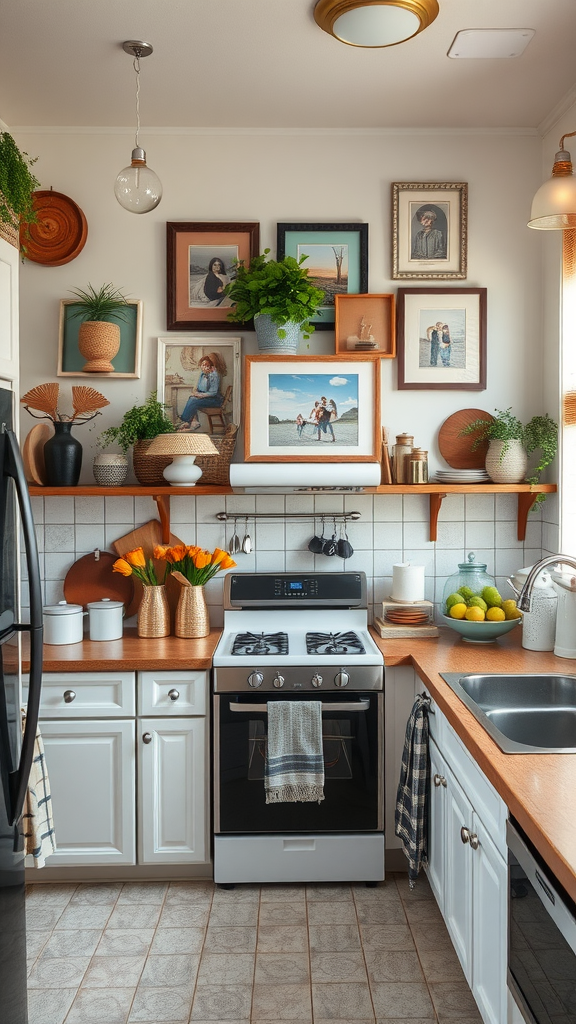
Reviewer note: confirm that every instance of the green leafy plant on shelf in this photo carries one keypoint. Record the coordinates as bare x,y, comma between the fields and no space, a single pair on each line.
99,305
17,184
539,434
142,422
279,288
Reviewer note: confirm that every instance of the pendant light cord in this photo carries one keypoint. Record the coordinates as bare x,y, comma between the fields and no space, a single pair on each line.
136,65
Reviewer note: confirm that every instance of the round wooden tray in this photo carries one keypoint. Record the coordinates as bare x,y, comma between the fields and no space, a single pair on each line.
91,579
456,448
60,232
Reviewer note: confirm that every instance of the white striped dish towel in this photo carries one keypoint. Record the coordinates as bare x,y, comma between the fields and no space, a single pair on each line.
294,768
37,822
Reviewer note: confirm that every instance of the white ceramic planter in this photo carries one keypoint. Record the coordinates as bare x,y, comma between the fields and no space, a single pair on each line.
509,468
267,336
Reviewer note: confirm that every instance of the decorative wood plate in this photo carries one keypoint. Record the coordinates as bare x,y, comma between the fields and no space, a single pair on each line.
456,448
33,453
60,233
91,579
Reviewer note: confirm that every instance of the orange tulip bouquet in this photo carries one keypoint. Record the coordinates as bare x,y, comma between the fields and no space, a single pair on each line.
134,563
196,565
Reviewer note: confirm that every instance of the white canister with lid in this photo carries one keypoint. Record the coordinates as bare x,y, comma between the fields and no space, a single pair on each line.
63,623
539,624
105,619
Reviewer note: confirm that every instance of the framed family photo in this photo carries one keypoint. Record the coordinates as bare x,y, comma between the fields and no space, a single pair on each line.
442,339
337,260
126,362
429,230
201,258
199,382
312,409
365,324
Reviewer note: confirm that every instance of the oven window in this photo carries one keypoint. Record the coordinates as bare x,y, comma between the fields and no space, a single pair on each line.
352,747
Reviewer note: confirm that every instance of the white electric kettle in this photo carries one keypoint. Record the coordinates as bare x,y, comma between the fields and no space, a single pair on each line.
539,624
564,584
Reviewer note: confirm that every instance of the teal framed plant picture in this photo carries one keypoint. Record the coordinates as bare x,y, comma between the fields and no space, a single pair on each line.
337,260
126,362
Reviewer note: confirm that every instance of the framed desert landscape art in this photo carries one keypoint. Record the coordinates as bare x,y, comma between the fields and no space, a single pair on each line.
365,324
337,260
200,259
442,339
312,409
429,230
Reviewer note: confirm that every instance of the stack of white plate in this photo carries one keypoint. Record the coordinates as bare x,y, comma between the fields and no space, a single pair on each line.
462,476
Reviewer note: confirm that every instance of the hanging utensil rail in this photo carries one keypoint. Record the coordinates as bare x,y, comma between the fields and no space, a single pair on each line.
340,517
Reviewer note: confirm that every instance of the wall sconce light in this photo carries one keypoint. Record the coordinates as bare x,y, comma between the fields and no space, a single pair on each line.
554,205
137,188
375,22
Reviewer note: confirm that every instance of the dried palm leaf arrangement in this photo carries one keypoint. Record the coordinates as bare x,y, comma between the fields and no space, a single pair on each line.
86,403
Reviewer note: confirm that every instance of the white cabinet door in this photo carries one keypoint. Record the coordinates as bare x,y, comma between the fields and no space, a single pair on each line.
489,940
172,790
458,874
437,824
8,311
91,767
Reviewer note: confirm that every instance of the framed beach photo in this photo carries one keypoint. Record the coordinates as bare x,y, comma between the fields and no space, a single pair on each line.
337,260
199,381
312,409
200,261
429,230
365,324
126,362
442,339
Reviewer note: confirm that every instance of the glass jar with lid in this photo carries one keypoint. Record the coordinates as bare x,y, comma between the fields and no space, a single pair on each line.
469,581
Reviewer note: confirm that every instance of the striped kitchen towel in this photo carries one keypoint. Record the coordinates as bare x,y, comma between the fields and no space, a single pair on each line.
294,768
37,823
412,796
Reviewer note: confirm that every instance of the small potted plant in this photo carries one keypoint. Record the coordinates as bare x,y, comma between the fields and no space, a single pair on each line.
99,334
17,186
140,426
280,298
510,444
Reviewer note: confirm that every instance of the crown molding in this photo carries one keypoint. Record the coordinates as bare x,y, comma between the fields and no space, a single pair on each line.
557,112
310,132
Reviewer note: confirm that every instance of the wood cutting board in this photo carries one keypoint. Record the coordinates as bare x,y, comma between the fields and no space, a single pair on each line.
146,537
33,454
91,579
455,448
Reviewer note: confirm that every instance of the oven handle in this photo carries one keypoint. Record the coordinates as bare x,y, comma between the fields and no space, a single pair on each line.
359,705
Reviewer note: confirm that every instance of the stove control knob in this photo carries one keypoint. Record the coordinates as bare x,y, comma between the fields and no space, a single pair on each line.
341,678
316,680
255,679
278,681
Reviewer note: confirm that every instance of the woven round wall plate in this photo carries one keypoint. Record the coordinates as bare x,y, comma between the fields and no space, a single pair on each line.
60,233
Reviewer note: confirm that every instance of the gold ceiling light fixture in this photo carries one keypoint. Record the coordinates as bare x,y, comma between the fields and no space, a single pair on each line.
375,23
554,205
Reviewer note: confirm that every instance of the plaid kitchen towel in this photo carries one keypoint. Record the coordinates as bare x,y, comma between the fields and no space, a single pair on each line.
37,823
411,799
294,768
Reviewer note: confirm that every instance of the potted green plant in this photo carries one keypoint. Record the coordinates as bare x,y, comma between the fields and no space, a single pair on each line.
511,442
17,185
280,298
99,333
139,427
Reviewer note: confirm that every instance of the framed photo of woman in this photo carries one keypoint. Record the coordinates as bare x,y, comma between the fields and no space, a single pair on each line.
201,259
199,382
429,230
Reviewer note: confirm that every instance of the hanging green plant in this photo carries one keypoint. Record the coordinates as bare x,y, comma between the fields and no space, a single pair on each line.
17,183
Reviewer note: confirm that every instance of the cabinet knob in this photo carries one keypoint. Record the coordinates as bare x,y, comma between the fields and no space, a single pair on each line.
173,694
69,696
147,737
474,841
439,780
465,834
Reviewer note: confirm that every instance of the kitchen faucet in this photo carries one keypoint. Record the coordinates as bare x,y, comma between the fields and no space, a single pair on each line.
525,599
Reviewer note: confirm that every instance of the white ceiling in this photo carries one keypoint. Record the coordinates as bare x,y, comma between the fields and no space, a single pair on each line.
265,63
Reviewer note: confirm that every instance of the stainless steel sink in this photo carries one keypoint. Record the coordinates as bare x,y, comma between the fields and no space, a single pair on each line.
524,714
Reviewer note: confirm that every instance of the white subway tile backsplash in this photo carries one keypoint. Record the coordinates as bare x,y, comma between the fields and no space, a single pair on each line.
270,503
385,560
119,509
507,535
59,538
506,506
300,532
57,565
363,503
388,536
299,561
550,537
452,508
417,535
53,591
360,535
267,536
89,537
328,503
479,534
144,509
114,532
416,508
59,510
269,561
89,509
479,507
387,508
243,504
533,537
450,535
382,589
37,504
507,561
207,507
183,509
211,535
299,503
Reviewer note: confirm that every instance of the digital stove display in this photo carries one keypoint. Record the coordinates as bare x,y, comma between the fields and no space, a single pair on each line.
296,585
260,643
334,643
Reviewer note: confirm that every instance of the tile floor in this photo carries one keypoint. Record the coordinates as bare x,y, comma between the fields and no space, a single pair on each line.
173,953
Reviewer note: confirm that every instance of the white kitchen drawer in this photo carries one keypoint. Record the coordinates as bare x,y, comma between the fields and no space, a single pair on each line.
294,858
488,805
96,695
154,689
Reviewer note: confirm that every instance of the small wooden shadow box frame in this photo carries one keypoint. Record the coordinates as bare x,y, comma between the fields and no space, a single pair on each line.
365,323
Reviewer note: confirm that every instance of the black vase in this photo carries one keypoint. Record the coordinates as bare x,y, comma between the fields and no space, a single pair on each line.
62,457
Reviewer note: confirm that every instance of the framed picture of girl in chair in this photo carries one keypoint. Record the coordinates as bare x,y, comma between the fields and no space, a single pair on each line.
199,382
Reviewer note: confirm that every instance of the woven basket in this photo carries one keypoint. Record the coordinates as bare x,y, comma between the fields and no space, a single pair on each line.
10,233
149,469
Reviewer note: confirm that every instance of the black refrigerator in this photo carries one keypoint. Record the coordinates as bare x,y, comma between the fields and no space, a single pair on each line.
16,750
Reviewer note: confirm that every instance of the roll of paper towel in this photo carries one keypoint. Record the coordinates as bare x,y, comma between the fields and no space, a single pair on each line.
305,474
407,583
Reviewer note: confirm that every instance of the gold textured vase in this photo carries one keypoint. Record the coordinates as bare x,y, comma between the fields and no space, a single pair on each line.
154,613
192,619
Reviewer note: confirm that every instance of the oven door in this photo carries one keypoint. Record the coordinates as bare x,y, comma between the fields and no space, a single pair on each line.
353,742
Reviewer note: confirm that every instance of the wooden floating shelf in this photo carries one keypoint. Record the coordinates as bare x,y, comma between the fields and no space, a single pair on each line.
527,494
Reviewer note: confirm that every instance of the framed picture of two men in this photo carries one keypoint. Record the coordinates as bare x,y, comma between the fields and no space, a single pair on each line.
429,230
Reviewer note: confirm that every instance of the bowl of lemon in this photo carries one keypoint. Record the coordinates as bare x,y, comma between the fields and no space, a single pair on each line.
480,617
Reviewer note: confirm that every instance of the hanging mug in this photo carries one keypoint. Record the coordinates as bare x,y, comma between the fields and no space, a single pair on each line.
316,545
345,549
331,546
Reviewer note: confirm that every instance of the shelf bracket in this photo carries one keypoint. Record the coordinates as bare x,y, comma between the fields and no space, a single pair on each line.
163,506
435,506
526,500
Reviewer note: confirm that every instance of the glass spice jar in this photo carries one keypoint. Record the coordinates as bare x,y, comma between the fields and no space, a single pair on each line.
400,454
418,466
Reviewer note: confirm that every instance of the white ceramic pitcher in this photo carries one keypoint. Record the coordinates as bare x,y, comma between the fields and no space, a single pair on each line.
565,586
539,624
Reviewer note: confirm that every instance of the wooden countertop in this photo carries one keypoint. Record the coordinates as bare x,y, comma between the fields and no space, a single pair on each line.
539,789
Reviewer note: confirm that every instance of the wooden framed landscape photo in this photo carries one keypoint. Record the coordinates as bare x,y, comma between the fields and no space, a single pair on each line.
312,409
199,381
442,339
200,263
126,362
429,230
365,324
337,260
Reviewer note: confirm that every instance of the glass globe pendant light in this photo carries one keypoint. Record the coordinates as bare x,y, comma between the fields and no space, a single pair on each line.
137,188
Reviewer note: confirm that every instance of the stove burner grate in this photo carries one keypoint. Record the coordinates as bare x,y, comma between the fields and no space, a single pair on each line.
334,643
260,643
